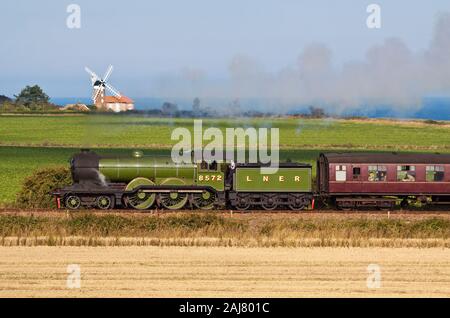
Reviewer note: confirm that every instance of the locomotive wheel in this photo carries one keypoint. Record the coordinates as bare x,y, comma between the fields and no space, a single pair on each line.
140,200
104,202
204,200
173,200
242,203
298,203
269,202
72,202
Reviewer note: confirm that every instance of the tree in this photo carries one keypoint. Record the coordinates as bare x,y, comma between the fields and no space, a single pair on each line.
235,107
4,99
196,107
169,109
32,95
317,112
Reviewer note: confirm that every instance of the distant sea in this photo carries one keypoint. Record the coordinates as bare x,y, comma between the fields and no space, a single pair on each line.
435,108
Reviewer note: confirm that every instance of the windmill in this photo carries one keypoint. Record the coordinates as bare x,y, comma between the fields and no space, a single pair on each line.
99,85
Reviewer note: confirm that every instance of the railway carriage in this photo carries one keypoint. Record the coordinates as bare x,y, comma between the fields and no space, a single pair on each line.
354,180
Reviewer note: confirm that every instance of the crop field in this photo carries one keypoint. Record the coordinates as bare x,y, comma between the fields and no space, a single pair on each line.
318,229
105,131
30,142
223,272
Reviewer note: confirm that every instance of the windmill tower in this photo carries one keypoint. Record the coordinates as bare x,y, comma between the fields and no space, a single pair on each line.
117,102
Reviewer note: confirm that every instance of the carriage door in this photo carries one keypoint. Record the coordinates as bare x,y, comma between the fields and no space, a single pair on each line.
341,173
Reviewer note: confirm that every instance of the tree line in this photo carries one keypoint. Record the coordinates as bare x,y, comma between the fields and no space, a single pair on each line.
30,98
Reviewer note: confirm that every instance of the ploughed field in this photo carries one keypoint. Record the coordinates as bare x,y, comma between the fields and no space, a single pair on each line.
30,142
223,272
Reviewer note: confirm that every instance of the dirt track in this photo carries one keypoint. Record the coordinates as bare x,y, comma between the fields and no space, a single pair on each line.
223,272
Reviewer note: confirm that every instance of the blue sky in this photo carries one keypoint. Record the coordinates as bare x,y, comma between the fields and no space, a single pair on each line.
154,44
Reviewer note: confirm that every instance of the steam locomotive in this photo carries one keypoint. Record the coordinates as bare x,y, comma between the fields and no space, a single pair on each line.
343,180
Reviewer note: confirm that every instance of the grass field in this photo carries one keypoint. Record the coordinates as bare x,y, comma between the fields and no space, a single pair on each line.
223,272
155,133
30,142
223,229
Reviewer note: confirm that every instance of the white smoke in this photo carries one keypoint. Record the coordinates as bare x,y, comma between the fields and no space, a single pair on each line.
390,74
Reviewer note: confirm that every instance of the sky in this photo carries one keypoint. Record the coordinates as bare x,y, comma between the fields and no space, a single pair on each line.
176,47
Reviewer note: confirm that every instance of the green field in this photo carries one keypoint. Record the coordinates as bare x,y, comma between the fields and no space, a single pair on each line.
133,131
30,142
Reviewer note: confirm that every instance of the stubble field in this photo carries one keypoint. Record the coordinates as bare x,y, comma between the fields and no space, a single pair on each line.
223,272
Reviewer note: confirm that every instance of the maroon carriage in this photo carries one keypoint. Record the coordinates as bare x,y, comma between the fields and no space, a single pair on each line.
382,179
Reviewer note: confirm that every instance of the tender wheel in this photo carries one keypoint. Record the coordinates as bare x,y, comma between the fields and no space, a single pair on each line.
173,200
104,202
298,203
269,202
72,202
140,200
204,200
243,203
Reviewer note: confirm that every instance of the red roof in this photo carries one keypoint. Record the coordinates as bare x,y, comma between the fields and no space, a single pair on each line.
114,99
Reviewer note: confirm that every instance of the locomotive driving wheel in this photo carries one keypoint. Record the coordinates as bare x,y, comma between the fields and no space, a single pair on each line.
140,200
173,200
72,202
204,200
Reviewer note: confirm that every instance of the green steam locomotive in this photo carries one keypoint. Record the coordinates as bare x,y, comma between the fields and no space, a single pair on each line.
142,183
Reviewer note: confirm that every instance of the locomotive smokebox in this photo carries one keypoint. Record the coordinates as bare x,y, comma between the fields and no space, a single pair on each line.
84,167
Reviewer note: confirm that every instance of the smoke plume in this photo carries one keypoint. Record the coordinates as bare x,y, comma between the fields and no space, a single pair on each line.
389,74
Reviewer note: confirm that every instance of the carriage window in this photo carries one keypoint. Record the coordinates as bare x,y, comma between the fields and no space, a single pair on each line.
406,173
356,172
435,173
377,173
341,173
